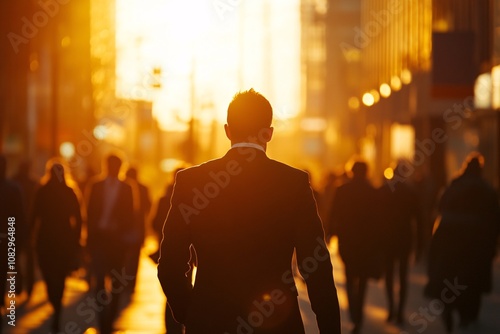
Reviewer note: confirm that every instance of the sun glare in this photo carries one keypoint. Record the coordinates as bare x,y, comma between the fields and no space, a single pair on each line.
189,58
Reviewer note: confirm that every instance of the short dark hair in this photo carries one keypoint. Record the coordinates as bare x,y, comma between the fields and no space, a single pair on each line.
248,113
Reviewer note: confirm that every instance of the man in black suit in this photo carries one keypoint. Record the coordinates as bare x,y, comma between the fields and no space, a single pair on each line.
353,219
110,229
245,215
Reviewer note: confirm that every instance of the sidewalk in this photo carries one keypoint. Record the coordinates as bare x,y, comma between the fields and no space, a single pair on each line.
144,313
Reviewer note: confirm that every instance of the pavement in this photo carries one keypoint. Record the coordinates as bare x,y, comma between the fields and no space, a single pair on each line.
143,312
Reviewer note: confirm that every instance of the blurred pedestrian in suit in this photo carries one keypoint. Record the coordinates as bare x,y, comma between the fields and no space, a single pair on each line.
330,184
245,214
11,212
401,222
464,244
110,226
57,222
142,204
26,271
353,218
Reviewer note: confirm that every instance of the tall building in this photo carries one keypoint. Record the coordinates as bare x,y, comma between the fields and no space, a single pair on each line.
378,65
462,56
45,80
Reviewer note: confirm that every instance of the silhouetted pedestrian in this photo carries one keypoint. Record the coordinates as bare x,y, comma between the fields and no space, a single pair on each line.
110,227
331,183
245,214
401,222
353,218
464,244
57,222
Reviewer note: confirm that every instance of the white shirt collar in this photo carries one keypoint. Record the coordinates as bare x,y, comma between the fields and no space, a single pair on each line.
253,145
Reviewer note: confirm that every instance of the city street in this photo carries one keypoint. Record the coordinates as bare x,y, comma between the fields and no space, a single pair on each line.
144,313
390,108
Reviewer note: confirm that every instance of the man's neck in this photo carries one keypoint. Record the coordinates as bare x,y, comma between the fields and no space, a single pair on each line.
255,145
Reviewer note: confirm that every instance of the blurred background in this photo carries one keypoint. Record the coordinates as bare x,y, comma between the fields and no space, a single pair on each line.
373,78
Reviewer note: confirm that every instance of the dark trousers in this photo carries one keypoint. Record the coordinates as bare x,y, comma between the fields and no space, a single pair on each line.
132,263
107,263
356,291
54,274
391,262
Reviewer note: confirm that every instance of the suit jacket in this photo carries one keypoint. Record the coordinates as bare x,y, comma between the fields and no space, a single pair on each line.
400,219
354,216
245,214
122,215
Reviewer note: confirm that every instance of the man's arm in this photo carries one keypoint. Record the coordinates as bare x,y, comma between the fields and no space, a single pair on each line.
175,255
311,249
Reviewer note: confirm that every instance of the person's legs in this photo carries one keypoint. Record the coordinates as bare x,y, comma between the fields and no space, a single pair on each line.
468,305
101,268
54,280
132,264
351,291
355,288
356,301
56,298
389,286
115,266
362,283
403,286
447,316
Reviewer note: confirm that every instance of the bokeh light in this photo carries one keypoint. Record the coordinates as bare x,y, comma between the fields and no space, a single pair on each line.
396,83
368,99
67,150
385,90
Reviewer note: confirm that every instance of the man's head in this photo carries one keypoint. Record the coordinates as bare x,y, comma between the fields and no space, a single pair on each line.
132,173
249,118
359,170
113,165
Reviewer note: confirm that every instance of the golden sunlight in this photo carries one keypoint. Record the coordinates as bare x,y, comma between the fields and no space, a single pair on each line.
190,57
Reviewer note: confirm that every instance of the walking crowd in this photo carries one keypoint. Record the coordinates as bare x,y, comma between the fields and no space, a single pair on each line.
381,231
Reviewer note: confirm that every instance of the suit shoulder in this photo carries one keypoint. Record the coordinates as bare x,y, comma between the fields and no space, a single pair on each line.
200,168
288,171
95,181
128,185
196,173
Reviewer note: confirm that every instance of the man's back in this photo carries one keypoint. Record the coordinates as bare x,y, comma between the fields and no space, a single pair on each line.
244,214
